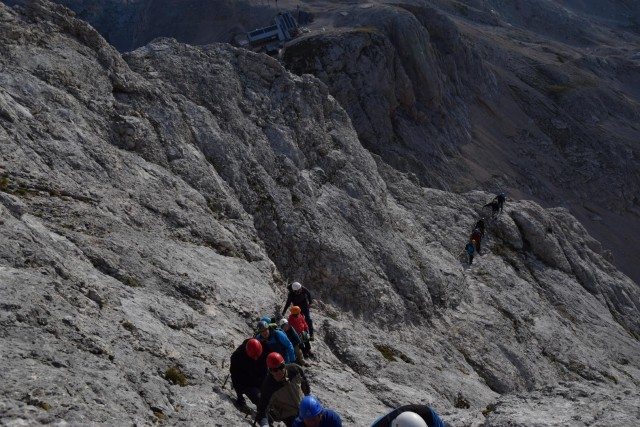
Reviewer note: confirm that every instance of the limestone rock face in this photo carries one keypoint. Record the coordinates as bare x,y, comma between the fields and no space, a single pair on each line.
468,96
388,74
154,205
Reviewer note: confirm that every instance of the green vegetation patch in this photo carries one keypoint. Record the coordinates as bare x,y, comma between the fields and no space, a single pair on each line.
175,376
129,326
386,351
391,353
486,411
332,314
461,402
131,282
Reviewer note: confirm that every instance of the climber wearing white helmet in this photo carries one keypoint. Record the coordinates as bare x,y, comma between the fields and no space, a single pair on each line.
409,419
410,416
301,297
296,341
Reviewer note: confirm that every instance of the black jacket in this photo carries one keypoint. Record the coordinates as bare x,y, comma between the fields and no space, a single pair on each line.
302,298
293,336
246,372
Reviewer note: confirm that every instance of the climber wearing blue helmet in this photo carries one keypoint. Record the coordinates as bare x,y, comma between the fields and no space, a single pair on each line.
312,414
276,339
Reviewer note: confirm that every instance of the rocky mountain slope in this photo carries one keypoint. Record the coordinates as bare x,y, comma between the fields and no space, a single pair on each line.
536,98
154,204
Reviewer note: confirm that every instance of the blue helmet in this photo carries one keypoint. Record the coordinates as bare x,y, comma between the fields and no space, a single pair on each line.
309,407
266,319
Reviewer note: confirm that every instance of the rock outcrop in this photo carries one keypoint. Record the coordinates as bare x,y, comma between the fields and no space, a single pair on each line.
153,205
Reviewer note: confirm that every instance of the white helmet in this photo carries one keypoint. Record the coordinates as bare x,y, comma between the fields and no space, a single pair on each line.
282,322
296,286
409,419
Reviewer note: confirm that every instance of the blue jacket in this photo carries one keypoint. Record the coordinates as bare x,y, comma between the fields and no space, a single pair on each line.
279,342
428,415
329,418
469,248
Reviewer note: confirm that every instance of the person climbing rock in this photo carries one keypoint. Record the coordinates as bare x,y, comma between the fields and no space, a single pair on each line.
277,340
282,391
300,296
296,341
248,370
297,320
470,248
410,416
501,198
312,414
481,225
476,236
495,208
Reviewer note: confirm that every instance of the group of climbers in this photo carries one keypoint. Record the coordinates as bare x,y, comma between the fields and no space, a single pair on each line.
475,239
300,297
268,370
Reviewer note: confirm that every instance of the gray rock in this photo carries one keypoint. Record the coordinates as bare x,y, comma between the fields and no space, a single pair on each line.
130,272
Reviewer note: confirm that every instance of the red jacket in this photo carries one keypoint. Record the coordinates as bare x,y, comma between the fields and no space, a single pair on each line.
298,322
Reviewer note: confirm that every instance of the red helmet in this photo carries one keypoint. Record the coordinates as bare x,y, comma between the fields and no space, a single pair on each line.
274,360
253,348
295,310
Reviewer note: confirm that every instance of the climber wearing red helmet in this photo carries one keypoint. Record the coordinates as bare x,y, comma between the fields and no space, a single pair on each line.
282,391
248,369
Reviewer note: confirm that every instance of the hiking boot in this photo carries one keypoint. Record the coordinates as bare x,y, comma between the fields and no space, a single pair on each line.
241,402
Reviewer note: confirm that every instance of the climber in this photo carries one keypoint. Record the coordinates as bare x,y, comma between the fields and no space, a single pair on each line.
494,207
297,320
476,236
269,320
410,416
295,340
300,296
312,414
481,225
501,198
248,370
277,339
282,391
470,248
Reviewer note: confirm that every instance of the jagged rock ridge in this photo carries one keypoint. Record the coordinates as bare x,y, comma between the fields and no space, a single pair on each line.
153,206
